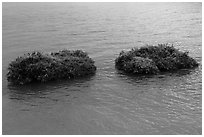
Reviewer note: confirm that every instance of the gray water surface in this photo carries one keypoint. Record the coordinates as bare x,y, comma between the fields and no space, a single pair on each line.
108,102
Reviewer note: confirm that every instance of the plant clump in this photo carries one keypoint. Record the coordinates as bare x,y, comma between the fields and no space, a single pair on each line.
36,66
163,58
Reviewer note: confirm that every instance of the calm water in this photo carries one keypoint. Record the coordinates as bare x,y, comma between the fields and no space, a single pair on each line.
108,102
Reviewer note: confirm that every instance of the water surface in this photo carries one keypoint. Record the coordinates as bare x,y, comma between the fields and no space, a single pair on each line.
108,102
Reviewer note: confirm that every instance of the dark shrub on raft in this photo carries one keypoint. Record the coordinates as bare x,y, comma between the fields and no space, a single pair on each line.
163,58
37,66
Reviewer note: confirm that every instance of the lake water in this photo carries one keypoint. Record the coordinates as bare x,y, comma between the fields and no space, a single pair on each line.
108,102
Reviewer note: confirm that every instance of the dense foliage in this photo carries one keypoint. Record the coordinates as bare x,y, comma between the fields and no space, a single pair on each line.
37,66
164,56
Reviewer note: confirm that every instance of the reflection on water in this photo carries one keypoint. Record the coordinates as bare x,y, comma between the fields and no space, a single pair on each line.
50,92
109,102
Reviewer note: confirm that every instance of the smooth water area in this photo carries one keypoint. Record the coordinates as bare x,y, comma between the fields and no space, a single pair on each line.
109,102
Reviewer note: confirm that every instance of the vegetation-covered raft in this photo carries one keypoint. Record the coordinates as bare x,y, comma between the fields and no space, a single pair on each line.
37,66
153,59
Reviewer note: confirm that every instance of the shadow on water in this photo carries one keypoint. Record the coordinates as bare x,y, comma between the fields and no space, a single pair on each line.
47,90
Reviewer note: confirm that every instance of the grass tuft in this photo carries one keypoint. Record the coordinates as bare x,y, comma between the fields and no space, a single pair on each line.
163,58
39,67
